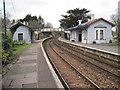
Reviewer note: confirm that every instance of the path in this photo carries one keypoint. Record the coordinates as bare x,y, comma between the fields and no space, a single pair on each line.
31,71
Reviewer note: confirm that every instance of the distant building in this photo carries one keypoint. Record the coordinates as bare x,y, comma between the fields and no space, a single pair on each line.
22,32
97,30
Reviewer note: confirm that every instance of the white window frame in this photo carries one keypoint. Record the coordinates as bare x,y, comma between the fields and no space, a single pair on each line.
99,33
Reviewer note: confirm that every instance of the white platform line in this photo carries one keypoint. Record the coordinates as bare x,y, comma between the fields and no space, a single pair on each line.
89,47
58,82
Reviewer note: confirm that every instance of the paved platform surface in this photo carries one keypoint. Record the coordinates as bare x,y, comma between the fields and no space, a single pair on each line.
30,71
104,47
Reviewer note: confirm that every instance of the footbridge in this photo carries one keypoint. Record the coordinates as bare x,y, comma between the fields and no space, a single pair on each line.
37,29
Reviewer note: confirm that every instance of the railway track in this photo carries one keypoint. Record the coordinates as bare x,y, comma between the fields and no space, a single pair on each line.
80,73
113,70
66,87
52,45
114,64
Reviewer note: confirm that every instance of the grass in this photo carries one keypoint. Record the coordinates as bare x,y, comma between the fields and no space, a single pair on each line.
20,48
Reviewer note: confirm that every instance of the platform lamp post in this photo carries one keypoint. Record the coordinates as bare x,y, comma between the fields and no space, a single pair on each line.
5,35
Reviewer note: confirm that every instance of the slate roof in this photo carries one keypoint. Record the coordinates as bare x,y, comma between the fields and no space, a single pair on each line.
35,27
87,24
16,25
96,20
77,27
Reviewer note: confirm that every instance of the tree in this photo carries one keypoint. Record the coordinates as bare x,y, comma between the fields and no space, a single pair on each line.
8,22
33,21
73,16
13,21
41,22
116,20
48,25
0,21
27,18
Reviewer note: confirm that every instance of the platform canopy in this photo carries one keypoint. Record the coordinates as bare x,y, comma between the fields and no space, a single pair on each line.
77,27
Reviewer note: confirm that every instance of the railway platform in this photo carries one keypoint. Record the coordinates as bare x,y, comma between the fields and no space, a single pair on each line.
32,70
100,47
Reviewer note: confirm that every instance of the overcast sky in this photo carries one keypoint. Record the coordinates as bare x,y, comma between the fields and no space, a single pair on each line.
51,10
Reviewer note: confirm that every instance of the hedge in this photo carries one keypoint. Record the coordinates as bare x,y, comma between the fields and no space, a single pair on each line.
7,55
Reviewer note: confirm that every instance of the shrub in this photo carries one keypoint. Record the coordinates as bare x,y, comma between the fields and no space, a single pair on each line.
8,55
110,41
21,42
5,56
94,42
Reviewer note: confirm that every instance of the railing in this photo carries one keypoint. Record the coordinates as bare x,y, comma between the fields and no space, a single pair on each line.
51,29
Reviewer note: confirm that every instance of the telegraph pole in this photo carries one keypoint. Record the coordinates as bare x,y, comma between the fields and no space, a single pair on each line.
5,35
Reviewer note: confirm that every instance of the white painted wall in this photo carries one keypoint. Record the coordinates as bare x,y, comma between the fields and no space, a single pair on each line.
107,32
91,33
73,35
26,34
77,35
84,36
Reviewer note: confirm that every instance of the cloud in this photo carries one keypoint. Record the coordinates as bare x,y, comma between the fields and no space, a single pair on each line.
51,10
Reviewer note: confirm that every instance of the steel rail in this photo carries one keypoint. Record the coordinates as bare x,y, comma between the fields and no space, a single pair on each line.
65,85
97,87
93,58
90,62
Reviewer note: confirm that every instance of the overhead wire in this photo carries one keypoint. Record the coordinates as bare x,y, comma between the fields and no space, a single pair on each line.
14,9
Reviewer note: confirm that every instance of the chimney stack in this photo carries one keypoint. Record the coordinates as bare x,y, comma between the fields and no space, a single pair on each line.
92,17
79,22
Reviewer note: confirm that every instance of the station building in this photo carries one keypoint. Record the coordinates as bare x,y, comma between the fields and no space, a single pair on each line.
97,30
23,32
